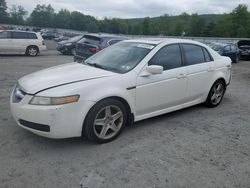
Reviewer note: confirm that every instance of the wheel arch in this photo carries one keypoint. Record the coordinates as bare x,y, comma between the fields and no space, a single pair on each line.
130,114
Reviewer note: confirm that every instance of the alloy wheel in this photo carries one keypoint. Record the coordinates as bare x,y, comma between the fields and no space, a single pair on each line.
108,122
217,93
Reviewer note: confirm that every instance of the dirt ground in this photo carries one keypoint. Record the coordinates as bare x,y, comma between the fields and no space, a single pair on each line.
195,147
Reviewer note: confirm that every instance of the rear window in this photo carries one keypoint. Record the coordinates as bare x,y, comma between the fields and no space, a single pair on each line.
92,39
113,41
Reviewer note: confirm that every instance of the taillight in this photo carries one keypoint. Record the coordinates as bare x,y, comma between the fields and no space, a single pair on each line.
95,49
77,45
43,42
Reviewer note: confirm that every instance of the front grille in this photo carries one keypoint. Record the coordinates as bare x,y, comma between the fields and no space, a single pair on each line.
36,126
18,95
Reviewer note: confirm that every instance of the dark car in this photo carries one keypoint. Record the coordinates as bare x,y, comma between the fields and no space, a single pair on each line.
244,46
67,47
229,50
61,38
93,43
49,35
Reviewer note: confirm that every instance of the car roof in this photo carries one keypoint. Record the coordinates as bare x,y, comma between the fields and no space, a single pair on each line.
105,36
19,31
157,41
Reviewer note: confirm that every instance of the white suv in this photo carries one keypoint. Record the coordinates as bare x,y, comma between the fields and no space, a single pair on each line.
21,42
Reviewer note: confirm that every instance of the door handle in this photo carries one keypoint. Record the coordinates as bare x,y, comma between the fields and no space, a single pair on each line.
210,69
182,76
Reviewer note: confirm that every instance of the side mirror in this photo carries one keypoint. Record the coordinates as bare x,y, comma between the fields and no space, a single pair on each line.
155,69
152,69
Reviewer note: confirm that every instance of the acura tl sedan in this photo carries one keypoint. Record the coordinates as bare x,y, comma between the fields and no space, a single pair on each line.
124,83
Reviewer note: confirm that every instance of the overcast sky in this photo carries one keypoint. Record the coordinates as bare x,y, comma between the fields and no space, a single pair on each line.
135,8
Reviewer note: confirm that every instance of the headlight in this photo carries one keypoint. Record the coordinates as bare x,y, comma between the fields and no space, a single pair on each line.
37,100
68,44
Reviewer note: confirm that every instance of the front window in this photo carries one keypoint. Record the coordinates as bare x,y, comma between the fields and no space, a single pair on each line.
121,57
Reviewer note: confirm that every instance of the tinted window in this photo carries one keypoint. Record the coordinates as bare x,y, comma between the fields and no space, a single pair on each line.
207,56
193,54
31,36
19,35
233,48
4,35
227,48
113,42
169,57
92,39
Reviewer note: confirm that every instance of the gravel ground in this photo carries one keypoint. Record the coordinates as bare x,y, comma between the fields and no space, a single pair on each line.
194,147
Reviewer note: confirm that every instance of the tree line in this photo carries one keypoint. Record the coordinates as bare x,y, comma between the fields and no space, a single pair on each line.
233,24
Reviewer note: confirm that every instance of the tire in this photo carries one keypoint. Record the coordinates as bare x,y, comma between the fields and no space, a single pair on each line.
216,94
105,121
237,59
73,51
32,51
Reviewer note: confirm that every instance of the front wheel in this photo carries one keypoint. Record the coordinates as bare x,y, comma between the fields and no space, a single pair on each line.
216,94
105,121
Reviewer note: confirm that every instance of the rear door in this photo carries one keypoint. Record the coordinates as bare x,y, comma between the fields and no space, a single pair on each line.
5,42
200,70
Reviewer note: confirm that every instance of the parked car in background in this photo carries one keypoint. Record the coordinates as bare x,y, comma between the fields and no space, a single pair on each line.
244,46
92,43
61,38
49,35
21,42
229,50
67,47
129,81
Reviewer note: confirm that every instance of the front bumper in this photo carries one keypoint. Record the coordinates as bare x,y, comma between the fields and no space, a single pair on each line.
60,121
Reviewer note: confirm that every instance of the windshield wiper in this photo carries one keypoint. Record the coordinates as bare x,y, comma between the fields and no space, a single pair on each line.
96,65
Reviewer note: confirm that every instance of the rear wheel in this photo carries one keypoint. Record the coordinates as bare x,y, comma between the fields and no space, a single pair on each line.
32,51
216,94
237,59
105,121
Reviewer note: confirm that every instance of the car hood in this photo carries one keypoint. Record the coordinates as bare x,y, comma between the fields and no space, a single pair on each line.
244,43
60,75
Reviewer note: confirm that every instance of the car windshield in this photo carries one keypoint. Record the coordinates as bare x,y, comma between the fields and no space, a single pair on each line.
121,57
74,39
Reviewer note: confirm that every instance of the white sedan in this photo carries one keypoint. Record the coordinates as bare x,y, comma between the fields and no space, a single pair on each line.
125,83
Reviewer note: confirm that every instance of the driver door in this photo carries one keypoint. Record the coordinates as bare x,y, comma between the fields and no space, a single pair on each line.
158,92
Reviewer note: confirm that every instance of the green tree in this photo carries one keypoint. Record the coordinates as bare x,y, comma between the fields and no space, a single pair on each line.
223,26
3,12
240,21
17,14
164,25
62,19
209,30
196,25
146,30
43,16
